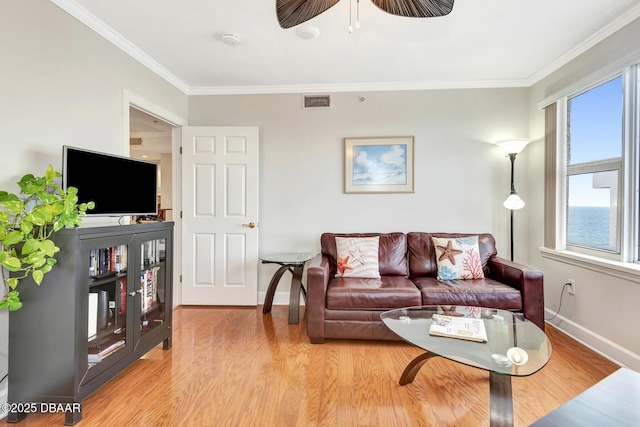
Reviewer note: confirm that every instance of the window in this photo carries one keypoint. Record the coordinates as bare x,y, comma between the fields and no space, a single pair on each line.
594,149
592,169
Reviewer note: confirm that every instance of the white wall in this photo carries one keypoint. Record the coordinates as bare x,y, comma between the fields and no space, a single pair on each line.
604,312
461,178
60,83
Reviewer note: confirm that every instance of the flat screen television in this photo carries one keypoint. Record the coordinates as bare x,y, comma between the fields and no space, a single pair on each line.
118,185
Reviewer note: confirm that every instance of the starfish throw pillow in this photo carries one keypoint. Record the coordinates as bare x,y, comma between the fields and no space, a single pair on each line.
358,257
458,258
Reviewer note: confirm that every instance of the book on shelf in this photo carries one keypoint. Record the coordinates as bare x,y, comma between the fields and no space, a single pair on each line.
149,285
107,261
120,257
123,295
98,357
465,328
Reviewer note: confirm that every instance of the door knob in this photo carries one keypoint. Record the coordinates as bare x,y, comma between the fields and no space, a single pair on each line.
250,225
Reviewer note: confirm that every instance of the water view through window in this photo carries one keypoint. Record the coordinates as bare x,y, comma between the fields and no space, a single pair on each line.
589,226
594,153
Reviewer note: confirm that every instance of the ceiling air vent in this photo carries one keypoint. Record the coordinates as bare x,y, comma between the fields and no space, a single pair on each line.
135,141
316,101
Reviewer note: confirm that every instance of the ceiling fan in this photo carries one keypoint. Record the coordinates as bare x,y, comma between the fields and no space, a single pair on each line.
293,12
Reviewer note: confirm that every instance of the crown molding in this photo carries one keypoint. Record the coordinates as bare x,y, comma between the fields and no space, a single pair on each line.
587,44
100,27
357,87
97,25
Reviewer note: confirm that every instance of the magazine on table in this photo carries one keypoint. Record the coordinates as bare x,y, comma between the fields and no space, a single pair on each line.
465,328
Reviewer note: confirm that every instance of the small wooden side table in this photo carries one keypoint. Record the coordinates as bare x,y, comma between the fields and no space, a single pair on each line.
293,262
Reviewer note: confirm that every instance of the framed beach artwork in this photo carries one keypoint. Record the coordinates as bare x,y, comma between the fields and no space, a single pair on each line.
378,164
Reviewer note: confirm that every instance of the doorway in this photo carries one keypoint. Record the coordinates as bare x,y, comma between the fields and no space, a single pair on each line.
160,134
158,131
150,139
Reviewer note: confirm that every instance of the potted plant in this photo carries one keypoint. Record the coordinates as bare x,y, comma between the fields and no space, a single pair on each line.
27,222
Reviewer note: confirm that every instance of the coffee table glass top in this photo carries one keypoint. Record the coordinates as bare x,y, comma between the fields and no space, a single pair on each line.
287,258
505,330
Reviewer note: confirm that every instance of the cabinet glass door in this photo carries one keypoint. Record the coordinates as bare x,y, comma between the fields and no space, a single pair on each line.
107,305
152,285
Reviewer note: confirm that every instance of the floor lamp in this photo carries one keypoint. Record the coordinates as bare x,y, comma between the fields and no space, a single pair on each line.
512,147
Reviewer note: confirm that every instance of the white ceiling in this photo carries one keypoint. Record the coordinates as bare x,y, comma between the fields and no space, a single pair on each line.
481,43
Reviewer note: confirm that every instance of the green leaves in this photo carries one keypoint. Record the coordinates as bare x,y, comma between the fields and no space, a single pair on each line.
11,202
26,223
13,282
37,275
49,248
30,246
50,173
12,238
12,264
11,301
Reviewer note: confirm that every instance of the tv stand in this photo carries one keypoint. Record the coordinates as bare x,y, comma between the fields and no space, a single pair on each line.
106,302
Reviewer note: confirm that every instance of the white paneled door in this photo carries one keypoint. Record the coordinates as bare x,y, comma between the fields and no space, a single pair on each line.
220,215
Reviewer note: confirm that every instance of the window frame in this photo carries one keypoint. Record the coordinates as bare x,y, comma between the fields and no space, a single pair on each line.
628,166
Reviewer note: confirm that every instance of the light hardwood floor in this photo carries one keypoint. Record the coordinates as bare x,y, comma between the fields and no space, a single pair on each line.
238,367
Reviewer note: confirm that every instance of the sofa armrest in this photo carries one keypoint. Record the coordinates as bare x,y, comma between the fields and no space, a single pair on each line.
318,275
528,281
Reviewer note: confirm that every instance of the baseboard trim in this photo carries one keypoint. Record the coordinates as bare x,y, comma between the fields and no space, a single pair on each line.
279,298
601,345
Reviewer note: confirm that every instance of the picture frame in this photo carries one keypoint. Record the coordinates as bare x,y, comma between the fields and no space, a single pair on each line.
379,164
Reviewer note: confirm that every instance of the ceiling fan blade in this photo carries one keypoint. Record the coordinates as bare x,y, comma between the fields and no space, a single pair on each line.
293,12
416,8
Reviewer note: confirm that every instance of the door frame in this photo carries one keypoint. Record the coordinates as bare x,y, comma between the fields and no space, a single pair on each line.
131,99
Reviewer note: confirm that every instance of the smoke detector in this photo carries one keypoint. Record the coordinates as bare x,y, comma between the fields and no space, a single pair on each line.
230,39
308,32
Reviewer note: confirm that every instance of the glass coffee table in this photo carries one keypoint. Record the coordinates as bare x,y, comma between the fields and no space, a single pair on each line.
515,347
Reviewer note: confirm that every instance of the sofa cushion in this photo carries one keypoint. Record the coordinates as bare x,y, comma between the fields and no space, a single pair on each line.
458,258
422,254
347,293
475,292
392,251
357,257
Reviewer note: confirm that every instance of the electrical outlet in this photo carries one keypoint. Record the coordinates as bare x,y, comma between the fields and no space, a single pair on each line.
572,287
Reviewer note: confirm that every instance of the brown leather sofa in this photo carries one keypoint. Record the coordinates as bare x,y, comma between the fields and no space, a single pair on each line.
349,308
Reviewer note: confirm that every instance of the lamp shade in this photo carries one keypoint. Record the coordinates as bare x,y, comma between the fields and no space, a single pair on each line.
513,202
513,146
